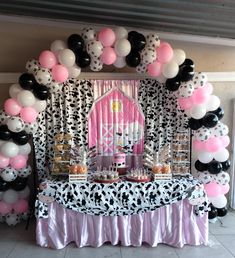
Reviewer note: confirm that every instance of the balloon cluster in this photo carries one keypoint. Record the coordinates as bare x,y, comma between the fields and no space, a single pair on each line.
210,135
17,123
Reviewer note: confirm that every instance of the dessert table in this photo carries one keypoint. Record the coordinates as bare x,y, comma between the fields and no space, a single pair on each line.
90,214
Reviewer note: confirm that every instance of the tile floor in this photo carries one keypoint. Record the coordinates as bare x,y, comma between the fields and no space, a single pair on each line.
17,242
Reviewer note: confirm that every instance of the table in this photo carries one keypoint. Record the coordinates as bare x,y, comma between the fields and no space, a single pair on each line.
144,217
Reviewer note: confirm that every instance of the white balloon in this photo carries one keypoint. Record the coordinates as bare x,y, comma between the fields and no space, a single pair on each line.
213,103
12,219
121,33
74,71
15,124
9,174
221,155
31,128
66,57
96,65
198,111
170,69
141,68
3,117
24,149
148,55
94,48
24,194
26,98
152,40
219,201
122,47
32,66
14,90
179,56
40,105
25,172
120,62
205,157
88,34
58,45
9,149
10,196
43,76
186,89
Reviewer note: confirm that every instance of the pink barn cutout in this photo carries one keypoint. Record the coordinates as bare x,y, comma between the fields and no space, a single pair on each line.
116,124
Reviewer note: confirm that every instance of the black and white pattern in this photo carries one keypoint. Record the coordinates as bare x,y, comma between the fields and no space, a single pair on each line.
117,199
162,117
66,113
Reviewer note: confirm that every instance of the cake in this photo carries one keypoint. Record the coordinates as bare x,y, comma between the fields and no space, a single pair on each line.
119,160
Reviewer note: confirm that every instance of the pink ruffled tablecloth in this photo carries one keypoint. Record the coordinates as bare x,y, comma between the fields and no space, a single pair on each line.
174,224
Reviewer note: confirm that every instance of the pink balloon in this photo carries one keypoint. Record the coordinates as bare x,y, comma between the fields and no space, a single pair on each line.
4,162
212,189
213,144
18,162
108,56
224,188
60,73
12,107
225,141
47,59
198,145
185,103
28,114
154,69
5,208
164,52
20,206
200,96
208,88
107,37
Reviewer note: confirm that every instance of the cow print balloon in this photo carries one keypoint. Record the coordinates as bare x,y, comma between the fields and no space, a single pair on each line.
43,76
202,134
141,68
186,89
31,128
25,172
9,174
220,129
222,178
88,34
15,124
152,40
3,117
199,80
205,177
32,66
96,64
148,55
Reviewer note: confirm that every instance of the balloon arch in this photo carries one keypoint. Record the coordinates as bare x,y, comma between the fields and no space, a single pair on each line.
115,47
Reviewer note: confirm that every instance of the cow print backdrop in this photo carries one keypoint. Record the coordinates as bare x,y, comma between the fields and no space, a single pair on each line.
68,108
162,116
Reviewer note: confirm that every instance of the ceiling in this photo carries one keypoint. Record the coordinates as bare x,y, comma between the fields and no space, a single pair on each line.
196,17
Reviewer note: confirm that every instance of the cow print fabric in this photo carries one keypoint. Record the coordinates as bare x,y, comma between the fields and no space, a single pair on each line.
116,199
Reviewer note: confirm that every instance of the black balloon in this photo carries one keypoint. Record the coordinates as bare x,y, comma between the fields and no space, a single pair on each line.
3,185
200,166
5,133
27,81
186,73
172,84
188,62
133,59
75,43
215,167
226,165
137,40
195,124
41,92
222,212
219,112
20,138
212,213
210,120
83,59
19,183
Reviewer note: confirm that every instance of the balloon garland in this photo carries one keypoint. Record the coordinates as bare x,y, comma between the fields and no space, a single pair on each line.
147,54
